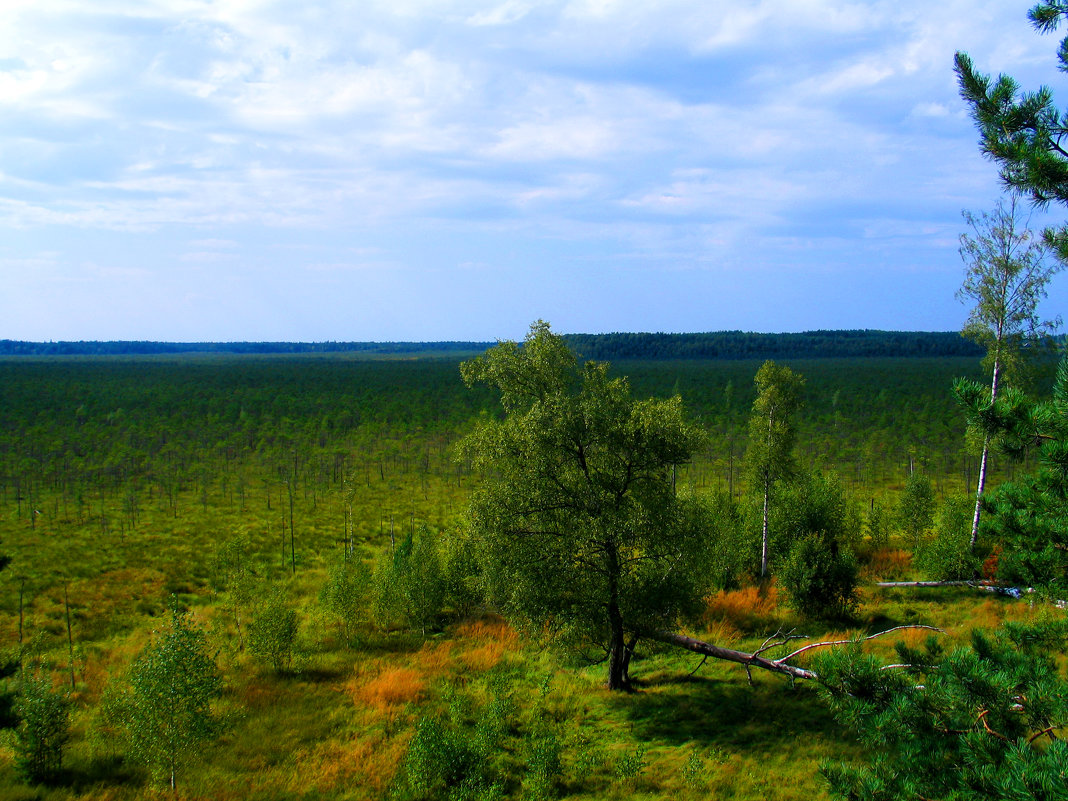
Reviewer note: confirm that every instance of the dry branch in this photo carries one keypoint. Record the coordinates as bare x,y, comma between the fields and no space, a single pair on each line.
752,660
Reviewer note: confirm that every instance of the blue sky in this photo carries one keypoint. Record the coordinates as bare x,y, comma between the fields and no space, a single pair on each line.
416,170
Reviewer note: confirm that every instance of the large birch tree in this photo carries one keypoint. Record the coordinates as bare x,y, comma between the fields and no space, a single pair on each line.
1007,271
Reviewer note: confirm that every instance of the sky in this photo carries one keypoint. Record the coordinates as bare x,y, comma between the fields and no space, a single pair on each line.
189,170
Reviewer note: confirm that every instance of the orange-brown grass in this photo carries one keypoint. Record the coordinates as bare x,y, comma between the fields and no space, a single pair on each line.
393,686
371,763
259,691
434,659
490,639
744,609
888,564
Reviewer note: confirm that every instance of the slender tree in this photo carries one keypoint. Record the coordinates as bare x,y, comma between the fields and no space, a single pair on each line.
771,438
1029,516
167,709
1006,275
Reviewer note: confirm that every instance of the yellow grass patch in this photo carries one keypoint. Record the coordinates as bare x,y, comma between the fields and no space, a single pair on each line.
433,659
369,764
742,608
393,686
490,639
889,564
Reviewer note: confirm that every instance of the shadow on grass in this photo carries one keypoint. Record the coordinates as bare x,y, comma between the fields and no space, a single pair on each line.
96,774
722,713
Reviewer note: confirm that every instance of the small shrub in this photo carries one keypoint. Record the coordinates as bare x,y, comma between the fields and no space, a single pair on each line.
820,578
949,556
272,635
443,762
43,730
544,766
880,525
408,585
630,766
916,508
345,593
693,772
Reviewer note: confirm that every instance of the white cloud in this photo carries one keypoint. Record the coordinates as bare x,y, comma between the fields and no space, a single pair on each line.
503,14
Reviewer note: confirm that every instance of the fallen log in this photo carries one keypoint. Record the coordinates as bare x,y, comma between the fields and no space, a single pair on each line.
982,585
755,660
985,586
730,655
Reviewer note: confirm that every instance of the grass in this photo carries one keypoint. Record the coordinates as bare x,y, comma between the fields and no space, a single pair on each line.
340,724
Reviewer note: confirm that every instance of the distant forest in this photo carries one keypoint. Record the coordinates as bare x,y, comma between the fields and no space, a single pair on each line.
743,345
606,347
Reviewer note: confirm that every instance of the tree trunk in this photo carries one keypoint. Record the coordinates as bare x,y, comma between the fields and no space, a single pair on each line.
730,655
982,462
618,659
764,530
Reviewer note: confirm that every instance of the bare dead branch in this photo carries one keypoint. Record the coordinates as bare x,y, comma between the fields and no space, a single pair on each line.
810,646
751,660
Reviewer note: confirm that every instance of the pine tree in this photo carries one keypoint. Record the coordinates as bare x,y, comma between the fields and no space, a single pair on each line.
978,723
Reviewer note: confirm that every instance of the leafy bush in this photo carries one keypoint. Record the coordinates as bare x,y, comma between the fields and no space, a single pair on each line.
630,765
817,526
544,765
408,586
272,634
814,503
880,525
735,549
43,730
820,577
345,593
949,556
443,762
916,507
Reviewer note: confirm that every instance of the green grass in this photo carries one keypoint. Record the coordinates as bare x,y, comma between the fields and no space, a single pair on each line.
339,726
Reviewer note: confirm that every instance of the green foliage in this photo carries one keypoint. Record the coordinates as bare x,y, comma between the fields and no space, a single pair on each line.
232,574
272,633
545,770
1029,517
409,586
693,772
818,528
732,548
1022,131
948,556
820,577
345,593
167,705
974,723
445,762
629,765
772,432
43,729
579,528
916,507
880,524
1006,278
461,572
